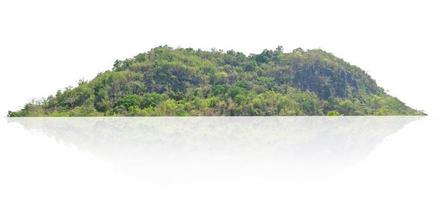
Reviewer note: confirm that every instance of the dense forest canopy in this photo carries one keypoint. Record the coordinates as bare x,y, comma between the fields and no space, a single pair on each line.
189,82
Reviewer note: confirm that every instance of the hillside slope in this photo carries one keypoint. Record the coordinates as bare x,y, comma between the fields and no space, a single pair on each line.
189,82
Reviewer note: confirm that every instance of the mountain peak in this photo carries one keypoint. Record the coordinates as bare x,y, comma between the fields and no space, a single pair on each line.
187,81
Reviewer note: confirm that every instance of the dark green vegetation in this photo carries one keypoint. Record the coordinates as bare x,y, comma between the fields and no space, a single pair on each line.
182,82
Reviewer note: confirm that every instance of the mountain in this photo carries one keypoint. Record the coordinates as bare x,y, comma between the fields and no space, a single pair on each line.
189,82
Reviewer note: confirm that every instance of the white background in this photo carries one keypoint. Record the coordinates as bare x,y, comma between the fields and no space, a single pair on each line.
48,45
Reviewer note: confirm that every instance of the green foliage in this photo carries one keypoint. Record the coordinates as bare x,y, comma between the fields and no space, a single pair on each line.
129,101
333,113
188,82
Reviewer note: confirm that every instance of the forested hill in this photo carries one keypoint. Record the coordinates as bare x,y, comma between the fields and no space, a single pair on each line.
189,82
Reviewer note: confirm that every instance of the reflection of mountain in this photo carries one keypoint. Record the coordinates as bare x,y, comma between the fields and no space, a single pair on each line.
276,138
